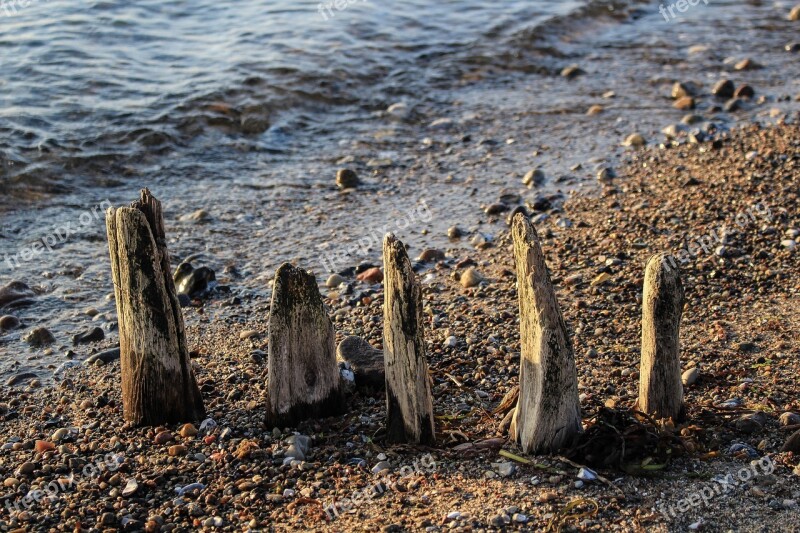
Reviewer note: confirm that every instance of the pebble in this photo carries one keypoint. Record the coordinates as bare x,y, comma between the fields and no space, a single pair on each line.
690,377
334,281
681,90
176,450
163,437
380,467
201,215
248,334
16,294
59,434
792,444
130,488
595,110
533,177
605,175
794,14
19,378
105,356
723,89
684,104
39,337
789,419
634,140
751,423
454,232
587,474
347,179
746,64
42,446
193,282
506,469
789,244
470,278
372,275
572,71
431,255
188,431
744,91
25,469
88,336
451,341
8,322
365,361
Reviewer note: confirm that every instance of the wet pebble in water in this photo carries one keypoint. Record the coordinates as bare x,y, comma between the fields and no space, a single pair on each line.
39,337
9,322
347,179
88,336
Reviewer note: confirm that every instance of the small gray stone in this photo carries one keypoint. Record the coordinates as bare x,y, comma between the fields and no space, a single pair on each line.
365,361
88,336
380,467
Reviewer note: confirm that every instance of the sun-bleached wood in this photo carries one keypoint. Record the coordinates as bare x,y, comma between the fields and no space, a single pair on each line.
303,373
660,386
409,408
158,384
547,416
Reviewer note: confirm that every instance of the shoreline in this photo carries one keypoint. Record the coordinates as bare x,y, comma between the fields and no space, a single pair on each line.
739,330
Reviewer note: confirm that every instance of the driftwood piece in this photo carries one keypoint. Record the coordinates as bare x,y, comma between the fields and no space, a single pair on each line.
409,408
660,386
548,414
158,385
303,374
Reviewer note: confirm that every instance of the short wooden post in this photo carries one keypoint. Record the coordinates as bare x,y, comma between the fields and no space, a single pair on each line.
158,385
303,373
409,408
548,415
660,387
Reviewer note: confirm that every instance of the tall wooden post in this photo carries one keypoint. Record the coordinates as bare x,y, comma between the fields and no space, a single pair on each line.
158,385
303,373
660,387
409,408
548,414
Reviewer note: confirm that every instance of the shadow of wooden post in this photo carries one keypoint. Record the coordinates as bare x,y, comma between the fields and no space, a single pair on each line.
158,384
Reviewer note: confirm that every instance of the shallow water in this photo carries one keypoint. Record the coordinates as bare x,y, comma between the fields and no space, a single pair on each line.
248,111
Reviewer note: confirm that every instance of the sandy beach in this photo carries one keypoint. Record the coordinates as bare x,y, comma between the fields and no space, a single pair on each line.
739,330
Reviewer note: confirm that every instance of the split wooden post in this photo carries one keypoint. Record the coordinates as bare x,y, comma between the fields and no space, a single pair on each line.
548,415
660,386
409,408
158,385
303,373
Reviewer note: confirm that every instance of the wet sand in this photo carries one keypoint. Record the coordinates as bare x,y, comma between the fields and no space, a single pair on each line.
739,329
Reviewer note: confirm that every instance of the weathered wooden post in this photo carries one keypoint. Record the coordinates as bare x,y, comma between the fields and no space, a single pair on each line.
303,374
548,414
158,385
409,408
660,387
